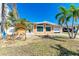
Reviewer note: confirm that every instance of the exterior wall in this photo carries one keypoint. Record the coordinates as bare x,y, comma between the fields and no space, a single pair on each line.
45,32
34,28
44,28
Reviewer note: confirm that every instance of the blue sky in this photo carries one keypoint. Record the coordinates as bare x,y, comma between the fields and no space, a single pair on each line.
37,12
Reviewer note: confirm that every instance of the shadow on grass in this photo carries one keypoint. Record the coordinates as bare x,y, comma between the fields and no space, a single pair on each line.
64,51
57,38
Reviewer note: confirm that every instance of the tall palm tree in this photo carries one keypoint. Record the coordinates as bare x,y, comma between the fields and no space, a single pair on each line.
73,11
63,18
15,13
11,18
3,22
77,12
11,22
14,16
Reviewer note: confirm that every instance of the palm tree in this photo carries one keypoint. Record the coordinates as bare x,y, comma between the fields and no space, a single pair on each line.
11,22
15,11
73,11
75,14
26,25
3,22
63,18
13,16
77,17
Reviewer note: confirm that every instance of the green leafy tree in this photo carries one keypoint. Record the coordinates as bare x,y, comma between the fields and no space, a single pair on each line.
11,22
63,18
75,14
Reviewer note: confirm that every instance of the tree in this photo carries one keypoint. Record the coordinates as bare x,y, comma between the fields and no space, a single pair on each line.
75,15
15,13
11,19
63,18
3,22
11,22
24,24
13,16
78,24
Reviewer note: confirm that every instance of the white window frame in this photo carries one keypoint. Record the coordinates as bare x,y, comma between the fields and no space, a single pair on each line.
39,25
48,26
57,28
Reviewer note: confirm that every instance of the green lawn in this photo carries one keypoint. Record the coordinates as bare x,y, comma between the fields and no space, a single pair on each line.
43,46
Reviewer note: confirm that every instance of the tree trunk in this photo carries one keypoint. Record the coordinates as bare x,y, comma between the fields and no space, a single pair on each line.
68,30
72,29
76,32
15,14
3,21
15,11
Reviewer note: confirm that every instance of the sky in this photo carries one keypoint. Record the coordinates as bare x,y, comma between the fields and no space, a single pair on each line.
38,12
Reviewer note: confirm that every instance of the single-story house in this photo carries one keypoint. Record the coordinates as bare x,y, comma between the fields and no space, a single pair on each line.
46,28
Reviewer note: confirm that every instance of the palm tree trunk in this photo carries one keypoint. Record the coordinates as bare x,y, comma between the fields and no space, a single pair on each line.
3,15
15,14
68,30
76,32
15,11
72,29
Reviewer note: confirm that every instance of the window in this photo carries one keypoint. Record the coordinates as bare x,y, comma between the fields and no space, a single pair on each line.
39,28
48,28
56,29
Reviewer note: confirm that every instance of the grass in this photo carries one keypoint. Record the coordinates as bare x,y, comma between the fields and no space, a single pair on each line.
43,46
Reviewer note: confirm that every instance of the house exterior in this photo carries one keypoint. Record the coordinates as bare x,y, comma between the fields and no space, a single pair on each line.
46,28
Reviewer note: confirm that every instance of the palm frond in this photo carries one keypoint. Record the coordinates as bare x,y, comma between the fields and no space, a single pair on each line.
68,18
72,8
78,12
57,15
62,9
61,20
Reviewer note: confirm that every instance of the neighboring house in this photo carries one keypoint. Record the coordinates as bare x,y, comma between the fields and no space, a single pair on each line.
46,28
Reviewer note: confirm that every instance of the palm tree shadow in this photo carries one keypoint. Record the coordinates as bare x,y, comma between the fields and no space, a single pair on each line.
57,38
64,51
